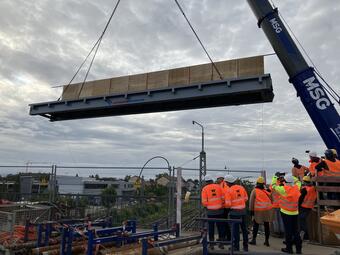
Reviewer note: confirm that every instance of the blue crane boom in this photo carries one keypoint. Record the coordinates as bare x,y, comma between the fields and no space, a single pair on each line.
303,77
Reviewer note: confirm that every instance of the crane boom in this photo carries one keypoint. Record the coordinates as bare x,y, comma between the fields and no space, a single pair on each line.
312,94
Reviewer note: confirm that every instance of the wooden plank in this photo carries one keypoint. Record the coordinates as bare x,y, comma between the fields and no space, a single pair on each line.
228,69
71,91
250,66
329,202
158,79
119,84
328,189
87,89
101,87
328,179
179,76
137,82
201,73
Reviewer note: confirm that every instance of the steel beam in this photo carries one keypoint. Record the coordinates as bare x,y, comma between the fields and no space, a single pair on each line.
248,90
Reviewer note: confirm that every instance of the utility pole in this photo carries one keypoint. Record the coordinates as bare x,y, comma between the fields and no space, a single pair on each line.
203,157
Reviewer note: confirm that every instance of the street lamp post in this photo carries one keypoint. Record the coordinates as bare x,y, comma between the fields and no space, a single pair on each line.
170,188
203,158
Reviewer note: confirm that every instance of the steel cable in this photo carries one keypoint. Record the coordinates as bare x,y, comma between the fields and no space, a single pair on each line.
199,40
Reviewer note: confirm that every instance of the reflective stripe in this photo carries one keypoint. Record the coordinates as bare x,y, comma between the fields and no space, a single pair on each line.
214,199
238,207
214,207
237,200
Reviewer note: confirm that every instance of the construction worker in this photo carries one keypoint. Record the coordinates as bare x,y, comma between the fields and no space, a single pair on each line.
313,160
289,208
237,197
298,170
335,153
330,166
306,204
213,200
226,235
260,207
277,219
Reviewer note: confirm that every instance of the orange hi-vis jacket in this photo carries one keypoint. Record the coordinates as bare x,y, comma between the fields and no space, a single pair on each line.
310,198
262,200
236,197
224,186
334,168
290,201
212,197
275,197
312,167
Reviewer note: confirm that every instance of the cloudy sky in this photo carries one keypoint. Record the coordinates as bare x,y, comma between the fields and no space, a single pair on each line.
42,43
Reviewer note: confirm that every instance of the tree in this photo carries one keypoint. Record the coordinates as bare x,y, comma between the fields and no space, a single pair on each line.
162,175
109,196
127,178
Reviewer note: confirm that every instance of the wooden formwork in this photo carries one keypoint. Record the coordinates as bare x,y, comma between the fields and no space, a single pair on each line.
237,68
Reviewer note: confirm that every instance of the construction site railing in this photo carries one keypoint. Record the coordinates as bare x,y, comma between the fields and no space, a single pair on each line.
328,197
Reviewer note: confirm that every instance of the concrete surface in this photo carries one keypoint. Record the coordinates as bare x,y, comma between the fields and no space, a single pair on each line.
276,245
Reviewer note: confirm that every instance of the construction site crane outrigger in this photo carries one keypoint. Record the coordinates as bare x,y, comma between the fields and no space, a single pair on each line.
311,92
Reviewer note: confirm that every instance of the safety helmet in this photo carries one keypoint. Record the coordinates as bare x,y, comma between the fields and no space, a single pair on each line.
295,161
260,180
289,179
329,154
229,178
208,178
335,152
313,154
219,175
306,179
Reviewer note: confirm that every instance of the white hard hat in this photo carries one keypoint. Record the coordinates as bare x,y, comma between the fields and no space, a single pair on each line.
219,175
208,177
289,179
313,154
229,178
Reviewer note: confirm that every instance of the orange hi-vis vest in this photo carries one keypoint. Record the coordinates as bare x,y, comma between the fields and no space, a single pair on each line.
310,198
275,197
238,197
290,202
262,200
334,168
212,197
312,167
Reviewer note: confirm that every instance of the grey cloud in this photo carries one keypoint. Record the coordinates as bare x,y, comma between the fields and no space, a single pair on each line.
51,38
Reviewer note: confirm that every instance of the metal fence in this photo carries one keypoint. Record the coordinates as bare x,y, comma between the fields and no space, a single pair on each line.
145,209
11,215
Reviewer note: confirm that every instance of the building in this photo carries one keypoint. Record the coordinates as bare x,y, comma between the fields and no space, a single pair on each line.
165,181
91,186
32,185
7,186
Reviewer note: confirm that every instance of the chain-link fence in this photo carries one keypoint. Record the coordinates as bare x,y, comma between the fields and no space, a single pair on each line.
73,197
11,215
